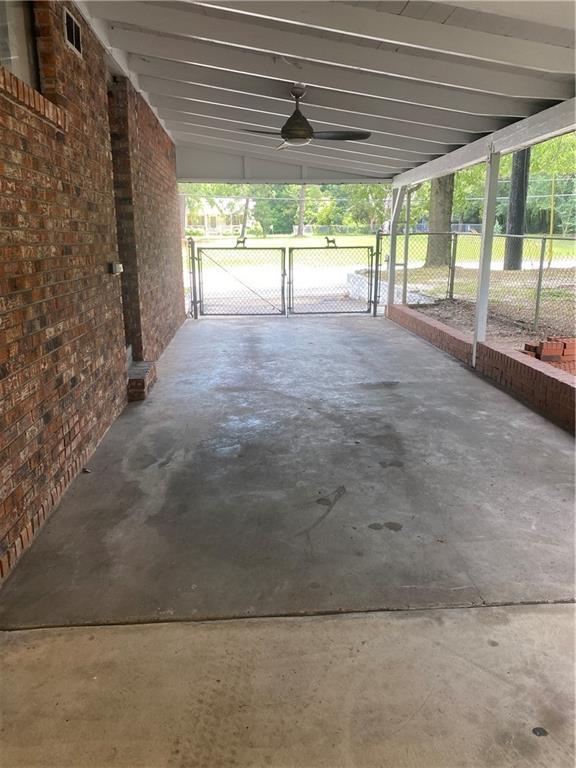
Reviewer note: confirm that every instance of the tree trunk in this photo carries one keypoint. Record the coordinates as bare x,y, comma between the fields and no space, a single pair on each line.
245,218
301,210
441,196
517,209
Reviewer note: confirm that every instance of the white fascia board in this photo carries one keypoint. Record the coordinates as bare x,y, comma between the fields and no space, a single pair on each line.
545,125
416,33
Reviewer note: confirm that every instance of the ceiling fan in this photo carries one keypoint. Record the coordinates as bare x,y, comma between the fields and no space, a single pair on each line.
297,131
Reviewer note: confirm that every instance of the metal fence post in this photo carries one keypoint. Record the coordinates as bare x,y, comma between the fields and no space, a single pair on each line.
376,267
539,284
290,302
193,283
283,285
452,268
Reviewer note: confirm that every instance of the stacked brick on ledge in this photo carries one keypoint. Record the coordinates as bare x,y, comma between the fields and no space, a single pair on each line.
141,379
559,351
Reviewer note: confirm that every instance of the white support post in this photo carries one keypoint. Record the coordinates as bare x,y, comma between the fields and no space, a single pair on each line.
406,246
397,199
488,220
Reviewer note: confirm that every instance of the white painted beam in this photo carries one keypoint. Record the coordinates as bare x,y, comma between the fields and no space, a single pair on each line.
533,130
310,153
310,47
270,123
262,85
287,157
303,49
198,163
432,140
187,106
416,33
353,150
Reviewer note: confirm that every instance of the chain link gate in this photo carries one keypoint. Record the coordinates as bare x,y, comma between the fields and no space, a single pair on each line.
330,280
237,281
256,281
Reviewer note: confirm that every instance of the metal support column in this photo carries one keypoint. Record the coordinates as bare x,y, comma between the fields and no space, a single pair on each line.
397,199
488,220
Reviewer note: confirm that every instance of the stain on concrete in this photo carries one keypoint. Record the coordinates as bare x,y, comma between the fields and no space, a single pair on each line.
493,643
391,463
379,385
329,502
376,526
539,731
392,526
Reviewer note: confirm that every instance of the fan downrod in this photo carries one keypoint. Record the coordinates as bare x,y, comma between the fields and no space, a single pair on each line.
298,91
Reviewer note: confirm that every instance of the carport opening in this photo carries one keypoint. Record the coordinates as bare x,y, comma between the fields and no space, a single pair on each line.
279,249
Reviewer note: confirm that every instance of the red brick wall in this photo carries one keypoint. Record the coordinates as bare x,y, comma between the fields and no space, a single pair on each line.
539,384
456,343
62,351
550,391
148,218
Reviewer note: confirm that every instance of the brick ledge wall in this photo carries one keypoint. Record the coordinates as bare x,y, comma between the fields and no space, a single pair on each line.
22,93
551,392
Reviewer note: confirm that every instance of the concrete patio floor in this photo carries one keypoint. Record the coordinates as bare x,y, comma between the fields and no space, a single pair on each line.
292,468
302,466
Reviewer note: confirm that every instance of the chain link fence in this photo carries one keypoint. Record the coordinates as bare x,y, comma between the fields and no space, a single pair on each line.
439,273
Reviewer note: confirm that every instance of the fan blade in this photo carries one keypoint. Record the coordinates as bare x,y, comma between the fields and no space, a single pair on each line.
263,133
342,135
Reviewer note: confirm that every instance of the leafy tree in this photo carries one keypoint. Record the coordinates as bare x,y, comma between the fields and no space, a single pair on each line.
276,215
367,203
441,196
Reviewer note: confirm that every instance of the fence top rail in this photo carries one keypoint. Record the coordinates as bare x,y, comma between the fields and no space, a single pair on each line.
241,249
541,236
330,247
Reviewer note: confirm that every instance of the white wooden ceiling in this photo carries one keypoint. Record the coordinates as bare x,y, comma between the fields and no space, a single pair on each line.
425,77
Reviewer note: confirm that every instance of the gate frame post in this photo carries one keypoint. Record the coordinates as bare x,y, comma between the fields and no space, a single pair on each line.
397,200
193,283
